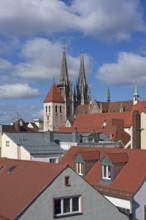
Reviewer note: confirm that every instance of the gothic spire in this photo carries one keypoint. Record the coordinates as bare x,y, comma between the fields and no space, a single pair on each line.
82,76
108,95
82,87
64,77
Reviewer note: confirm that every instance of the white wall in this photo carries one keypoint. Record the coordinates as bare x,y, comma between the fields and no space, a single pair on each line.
13,151
122,203
139,202
143,131
67,145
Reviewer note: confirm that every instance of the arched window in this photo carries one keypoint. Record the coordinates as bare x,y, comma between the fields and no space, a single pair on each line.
60,109
56,108
49,109
46,108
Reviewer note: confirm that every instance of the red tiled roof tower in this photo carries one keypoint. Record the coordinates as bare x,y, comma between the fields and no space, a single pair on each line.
54,95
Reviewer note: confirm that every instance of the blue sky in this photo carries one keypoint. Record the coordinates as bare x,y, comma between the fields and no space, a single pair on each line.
111,33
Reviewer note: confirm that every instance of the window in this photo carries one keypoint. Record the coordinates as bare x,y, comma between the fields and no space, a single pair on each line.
106,172
53,160
67,206
56,108
67,180
11,169
7,143
79,168
60,109
46,108
49,108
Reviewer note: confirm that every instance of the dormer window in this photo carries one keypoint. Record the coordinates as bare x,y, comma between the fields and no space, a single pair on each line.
111,165
106,172
79,168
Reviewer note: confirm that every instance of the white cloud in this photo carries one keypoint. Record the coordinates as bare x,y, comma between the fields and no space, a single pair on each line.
108,19
43,60
17,91
129,68
5,65
10,112
103,18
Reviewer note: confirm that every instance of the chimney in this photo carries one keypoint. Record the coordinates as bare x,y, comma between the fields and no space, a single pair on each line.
51,136
136,130
75,135
17,126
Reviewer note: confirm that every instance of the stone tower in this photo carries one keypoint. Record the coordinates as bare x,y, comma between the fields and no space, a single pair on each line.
54,110
82,90
64,86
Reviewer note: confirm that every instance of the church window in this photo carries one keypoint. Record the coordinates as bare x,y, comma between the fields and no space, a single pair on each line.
49,109
68,109
46,108
56,108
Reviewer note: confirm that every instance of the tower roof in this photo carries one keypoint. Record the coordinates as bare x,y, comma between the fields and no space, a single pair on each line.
136,94
64,77
82,76
54,95
108,95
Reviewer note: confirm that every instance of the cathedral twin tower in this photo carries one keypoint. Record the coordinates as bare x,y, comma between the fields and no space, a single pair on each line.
61,101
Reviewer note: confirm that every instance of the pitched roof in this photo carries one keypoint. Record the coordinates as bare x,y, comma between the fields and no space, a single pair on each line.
118,157
92,155
23,184
116,106
140,106
129,179
54,95
36,143
106,123
97,119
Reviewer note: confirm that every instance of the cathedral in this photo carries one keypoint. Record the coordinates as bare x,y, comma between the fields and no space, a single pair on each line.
63,103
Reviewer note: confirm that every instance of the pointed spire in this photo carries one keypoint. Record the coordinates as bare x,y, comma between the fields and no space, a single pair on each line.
108,95
64,77
82,76
136,95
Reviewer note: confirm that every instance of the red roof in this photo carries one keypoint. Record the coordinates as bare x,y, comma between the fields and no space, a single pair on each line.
129,179
140,106
54,95
92,155
106,123
118,157
21,186
98,119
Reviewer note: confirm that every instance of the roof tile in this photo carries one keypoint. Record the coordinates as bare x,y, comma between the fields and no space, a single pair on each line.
54,95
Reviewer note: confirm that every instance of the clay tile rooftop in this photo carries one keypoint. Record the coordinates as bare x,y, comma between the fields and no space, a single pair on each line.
118,157
92,155
54,95
21,182
129,178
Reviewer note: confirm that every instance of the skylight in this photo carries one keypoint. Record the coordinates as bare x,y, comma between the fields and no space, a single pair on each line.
11,169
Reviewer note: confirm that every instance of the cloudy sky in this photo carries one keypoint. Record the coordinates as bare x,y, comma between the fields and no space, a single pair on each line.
111,33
